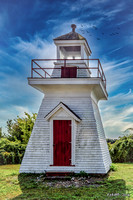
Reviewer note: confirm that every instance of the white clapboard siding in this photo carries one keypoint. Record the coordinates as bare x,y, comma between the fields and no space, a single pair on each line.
80,72
91,151
102,139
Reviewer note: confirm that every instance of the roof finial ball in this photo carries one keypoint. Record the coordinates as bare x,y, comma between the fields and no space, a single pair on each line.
73,26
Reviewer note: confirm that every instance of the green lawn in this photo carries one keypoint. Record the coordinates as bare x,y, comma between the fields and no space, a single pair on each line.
117,185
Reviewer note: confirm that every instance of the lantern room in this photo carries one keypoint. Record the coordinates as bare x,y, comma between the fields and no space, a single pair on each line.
72,46
75,51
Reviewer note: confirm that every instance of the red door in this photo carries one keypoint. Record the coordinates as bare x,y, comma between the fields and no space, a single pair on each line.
65,72
68,72
73,72
62,142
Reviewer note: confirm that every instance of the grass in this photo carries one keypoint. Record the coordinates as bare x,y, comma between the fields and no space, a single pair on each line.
117,185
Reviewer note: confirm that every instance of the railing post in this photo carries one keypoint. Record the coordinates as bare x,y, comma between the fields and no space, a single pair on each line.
88,61
105,83
64,62
31,68
98,69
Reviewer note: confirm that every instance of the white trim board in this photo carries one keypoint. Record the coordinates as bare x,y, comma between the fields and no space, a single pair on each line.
64,107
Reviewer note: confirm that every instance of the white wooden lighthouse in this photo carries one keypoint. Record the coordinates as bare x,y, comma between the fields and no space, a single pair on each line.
68,134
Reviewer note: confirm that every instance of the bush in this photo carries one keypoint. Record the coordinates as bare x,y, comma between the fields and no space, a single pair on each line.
11,152
113,167
121,150
21,128
13,145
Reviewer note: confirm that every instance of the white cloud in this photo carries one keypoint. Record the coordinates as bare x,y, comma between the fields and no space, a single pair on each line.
114,50
21,110
12,113
88,4
36,47
117,114
117,73
98,9
14,87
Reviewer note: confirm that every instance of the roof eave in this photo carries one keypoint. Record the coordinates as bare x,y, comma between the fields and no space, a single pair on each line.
78,41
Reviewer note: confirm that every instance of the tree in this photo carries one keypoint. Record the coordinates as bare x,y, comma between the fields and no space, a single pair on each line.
121,150
20,128
111,141
13,145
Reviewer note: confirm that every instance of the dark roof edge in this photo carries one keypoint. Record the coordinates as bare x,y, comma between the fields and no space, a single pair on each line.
66,107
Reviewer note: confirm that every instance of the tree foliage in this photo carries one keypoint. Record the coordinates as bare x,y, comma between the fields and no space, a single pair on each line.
12,145
20,128
111,141
122,149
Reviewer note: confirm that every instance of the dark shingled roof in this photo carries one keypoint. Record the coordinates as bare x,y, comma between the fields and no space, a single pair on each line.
70,36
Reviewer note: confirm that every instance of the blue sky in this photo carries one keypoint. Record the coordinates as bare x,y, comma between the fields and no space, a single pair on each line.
27,29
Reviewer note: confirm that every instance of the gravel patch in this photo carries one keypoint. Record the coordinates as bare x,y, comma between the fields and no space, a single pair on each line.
73,182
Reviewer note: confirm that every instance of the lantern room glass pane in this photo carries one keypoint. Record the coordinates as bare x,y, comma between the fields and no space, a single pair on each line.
70,52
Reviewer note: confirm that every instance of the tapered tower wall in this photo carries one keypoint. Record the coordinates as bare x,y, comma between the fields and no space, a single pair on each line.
90,147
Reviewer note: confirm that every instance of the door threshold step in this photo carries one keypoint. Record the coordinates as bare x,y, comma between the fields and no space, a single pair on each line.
62,174
66,178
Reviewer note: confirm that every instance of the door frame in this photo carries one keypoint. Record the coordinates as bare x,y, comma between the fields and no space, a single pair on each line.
73,135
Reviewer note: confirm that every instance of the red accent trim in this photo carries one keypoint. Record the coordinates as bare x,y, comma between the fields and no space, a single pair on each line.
58,173
63,166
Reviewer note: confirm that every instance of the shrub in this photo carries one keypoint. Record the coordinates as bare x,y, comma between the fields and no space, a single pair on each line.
11,152
113,167
121,150
13,145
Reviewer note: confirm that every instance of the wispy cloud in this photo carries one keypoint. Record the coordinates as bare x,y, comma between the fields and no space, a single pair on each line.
21,110
116,120
17,96
117,114
36,47
114,50
118,73
11,113
100,9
